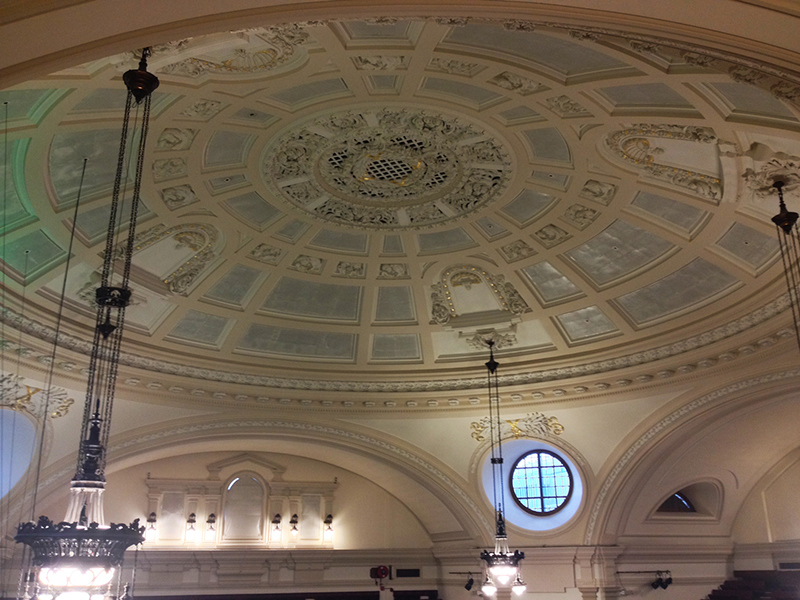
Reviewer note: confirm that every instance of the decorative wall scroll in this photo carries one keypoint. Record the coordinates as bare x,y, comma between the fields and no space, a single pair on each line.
533,425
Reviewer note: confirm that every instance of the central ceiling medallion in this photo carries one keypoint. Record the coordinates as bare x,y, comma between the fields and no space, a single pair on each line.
387,168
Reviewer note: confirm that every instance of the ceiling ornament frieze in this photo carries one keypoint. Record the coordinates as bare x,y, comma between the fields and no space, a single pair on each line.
17,395
780,83
260,49
533,425
387,169
286,37
704,339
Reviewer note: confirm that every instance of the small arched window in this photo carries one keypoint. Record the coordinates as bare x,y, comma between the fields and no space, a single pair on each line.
677,503
244,509
541,482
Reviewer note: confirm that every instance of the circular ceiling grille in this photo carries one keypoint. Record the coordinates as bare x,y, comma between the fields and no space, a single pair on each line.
388,168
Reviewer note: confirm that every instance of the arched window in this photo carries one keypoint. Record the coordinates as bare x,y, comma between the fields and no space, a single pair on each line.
541,483
677,503
244,509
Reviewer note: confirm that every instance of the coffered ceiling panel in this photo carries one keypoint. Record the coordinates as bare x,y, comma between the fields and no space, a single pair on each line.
391,192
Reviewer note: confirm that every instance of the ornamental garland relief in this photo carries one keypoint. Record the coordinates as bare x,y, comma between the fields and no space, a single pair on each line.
532,425
387,169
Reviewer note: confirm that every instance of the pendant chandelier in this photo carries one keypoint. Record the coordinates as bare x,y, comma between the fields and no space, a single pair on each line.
502,565
789,239
80,557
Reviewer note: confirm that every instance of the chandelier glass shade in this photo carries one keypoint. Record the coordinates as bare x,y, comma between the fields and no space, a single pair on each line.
502,565
80,558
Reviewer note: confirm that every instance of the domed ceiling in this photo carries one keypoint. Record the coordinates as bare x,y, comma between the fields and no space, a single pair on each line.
357,206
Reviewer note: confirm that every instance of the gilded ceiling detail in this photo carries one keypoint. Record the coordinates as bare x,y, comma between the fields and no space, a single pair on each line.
341,194
387,169
532,425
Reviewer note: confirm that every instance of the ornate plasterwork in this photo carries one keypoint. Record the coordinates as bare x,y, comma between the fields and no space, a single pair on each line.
269,255
580,216
200,238
607,366
565,107
308,264
443,307
517,83
782,167
551,235
15,394
502,339
598,191
266,48
175,138
453,66
516,250
387,169
532,425
178,196
202,109
350,269
632,145
393,271
380,62
165,169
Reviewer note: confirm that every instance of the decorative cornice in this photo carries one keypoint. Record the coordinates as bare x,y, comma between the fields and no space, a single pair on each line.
757,317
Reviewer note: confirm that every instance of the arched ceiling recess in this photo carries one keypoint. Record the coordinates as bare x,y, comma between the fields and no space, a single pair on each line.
716,438
355,205
441,500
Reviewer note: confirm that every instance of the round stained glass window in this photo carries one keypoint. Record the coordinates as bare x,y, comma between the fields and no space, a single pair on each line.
541,482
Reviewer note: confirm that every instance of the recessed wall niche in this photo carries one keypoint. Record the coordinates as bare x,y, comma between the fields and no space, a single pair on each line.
244,501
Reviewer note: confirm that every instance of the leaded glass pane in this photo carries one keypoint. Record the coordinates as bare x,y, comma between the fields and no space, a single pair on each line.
541,482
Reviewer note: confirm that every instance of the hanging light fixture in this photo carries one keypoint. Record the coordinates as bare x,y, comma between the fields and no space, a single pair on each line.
502,564
293,522
789,239
327,534
78,558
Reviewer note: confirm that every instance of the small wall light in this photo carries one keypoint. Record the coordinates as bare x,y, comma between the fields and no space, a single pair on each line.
275,531
151,532
191,530
327,534
293,522
663,580
211,528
